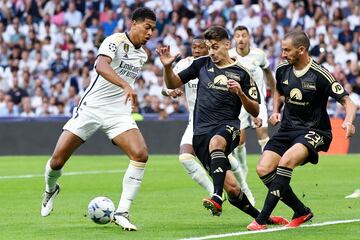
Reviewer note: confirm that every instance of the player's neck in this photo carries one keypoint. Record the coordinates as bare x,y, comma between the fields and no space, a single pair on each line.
133,39
243,52
225,62
303,63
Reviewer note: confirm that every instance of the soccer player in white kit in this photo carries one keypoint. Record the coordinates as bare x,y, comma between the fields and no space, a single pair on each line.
187,154
106,105
254,59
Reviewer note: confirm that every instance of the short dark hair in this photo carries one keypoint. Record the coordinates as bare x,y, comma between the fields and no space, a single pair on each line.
298,38
142,13
241,28
216,33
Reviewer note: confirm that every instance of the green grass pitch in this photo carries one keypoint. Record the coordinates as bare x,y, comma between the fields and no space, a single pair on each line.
168,205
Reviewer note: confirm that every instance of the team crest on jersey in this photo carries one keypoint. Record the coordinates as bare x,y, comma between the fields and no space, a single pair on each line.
231,75
337,88
295,94
112,47
126,49
253,93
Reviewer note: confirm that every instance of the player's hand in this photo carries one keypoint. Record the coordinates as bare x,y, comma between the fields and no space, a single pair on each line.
234,87
275,118
349,129
175,93
257,121
165,57
130,95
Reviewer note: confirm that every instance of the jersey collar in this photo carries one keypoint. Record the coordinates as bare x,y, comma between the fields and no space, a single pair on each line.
127,35
300,73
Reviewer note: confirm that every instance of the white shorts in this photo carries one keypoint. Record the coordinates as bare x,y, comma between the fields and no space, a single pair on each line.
188,134
87,120
245,117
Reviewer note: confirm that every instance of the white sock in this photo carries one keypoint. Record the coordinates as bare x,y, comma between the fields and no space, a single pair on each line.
196,171
131,184
240,154
241,178
263,142
239,174
51,176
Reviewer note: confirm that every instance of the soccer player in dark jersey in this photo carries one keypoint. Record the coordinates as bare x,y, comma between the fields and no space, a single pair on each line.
304,86
223,87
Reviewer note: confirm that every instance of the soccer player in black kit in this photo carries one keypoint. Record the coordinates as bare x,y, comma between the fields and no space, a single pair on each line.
305,129
223,87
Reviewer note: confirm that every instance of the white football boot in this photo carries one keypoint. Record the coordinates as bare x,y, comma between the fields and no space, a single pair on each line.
47,204
355,194
122,219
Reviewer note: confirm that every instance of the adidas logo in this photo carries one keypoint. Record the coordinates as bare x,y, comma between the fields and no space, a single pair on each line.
211,70
286,82
276,193
218,170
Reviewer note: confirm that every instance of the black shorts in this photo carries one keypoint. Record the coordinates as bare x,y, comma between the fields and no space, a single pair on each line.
281,141
201,143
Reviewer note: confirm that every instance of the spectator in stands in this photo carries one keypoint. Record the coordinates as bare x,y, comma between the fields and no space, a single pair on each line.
16,92
26,109
72,16
147,108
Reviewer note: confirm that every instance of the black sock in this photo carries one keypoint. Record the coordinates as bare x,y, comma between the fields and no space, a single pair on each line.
242,203
276,190
219,165
289,197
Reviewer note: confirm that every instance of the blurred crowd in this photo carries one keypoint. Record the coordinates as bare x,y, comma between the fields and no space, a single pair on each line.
48,47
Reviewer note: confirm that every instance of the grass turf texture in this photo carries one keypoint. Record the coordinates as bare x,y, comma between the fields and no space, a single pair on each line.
168,205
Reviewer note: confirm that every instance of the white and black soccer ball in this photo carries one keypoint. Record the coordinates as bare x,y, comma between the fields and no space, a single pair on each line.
101,209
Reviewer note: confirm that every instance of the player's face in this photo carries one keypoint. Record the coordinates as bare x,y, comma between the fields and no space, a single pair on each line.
290,52
218,50
198,48
143,30
242,39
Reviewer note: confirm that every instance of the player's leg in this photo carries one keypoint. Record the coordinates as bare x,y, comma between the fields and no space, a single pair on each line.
66,145
293,157
239,166
133,144
191,166
77,130
262,132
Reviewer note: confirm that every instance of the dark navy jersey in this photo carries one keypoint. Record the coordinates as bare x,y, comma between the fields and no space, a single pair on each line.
215,104
306,96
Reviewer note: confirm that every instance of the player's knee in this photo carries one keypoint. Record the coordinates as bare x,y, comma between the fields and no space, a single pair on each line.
186,157
57,161
262,170
233,190
217,142
140,155
286,161
242,141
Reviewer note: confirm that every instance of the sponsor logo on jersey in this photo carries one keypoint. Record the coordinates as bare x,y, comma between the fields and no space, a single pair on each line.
253,92
112,47
286,82
337,88
220,83
233,76
308,85
211,70
295,94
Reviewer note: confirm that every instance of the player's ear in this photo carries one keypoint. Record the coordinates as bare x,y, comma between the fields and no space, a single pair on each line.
227,44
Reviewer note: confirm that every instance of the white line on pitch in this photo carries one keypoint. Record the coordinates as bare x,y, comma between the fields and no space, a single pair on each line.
270,230
64,174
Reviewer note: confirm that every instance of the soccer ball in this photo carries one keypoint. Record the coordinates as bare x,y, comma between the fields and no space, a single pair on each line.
100,210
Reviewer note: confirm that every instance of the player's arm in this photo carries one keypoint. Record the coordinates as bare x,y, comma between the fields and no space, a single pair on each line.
248,94
270,80
350,110
172,79
104,69
174,93
278,98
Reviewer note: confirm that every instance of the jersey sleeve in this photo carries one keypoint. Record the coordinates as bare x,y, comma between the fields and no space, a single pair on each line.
249,87
332,86
110,45
192,71
264,64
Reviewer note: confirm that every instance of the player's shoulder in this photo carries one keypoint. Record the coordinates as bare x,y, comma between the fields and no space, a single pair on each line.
185,61
117,38
321,72
257,51
283,65
242,67
232,52
201,61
